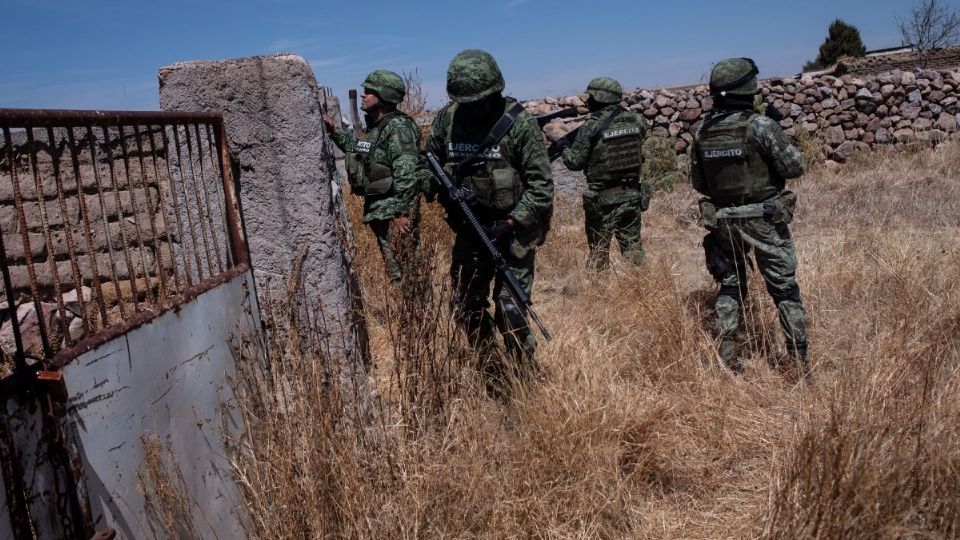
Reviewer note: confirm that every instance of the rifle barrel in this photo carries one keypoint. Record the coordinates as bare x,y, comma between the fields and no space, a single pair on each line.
456,195
354,114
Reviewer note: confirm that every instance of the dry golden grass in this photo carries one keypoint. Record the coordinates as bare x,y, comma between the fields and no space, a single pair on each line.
637,431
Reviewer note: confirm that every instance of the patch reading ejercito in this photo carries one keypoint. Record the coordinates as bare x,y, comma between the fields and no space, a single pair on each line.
725,153
623,132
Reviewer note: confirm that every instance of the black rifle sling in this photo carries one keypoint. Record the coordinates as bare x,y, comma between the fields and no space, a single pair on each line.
604,125
497,132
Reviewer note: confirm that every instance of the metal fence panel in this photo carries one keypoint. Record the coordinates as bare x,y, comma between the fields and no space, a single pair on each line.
123,273
155,401
105,216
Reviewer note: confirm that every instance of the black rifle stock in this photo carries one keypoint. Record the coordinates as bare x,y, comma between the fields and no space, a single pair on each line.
545,119
557,146
773,113
459,196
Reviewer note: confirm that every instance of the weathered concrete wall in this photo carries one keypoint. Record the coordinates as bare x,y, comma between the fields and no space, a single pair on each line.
284,162
849,114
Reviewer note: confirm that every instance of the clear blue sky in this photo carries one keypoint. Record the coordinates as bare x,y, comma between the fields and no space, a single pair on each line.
105,54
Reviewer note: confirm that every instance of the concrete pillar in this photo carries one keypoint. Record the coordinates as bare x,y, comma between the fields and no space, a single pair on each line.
284,161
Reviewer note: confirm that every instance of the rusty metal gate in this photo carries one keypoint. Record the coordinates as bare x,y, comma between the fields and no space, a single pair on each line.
109,220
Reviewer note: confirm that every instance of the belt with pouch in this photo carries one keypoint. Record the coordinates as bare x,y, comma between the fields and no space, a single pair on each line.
765,209
626,184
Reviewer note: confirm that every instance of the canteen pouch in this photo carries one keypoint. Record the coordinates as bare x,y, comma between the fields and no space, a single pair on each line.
708,214
784,206
354,173
506,189
380,182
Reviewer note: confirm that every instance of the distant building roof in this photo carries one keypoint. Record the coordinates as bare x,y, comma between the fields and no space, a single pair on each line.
903,58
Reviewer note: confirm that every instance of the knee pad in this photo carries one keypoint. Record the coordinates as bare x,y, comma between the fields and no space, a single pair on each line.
510,315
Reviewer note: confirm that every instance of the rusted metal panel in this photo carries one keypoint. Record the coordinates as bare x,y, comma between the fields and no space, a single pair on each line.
164,383
49,505
149,407
107,215
137,213
6,531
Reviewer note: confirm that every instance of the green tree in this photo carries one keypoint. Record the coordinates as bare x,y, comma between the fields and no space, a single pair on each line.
842,40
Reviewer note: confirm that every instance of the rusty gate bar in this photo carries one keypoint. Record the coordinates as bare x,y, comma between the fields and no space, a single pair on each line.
106,226
113,217
232,213
87,234
19,358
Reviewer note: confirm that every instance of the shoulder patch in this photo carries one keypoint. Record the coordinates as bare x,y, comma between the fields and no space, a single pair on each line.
407,135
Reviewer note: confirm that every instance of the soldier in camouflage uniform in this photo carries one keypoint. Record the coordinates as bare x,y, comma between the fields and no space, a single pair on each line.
740,162
609,149
510,176
382,167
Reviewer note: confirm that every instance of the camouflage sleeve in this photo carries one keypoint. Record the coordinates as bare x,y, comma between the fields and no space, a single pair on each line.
344,139
437,144
577,156
696,170
775,144
534,167
401,149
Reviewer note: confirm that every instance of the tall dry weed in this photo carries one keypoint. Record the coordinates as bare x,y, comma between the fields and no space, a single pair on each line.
637,430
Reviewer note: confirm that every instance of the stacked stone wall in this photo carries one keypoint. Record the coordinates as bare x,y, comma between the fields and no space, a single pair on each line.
847,114
123,217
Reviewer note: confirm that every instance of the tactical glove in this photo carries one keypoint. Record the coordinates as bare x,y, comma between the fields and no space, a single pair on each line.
500,233
557,147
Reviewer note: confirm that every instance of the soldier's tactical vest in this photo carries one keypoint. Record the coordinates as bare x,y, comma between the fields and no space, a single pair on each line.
368,176
733,166
492,178
617,151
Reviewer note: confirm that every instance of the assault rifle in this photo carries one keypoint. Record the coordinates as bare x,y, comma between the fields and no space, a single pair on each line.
545,119
773,113
556,147
459,195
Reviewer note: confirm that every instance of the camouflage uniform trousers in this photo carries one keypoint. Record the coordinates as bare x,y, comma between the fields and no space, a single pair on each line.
471,272
400,255
777,262
616,219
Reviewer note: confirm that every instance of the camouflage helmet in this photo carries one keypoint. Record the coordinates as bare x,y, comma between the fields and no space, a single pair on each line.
387,84
605,90
473,75
735,77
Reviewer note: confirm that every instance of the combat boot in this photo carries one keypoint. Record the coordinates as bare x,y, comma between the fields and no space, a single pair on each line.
797,352
728,353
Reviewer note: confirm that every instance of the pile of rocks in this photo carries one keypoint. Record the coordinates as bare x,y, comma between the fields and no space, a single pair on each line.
847,114
58,325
